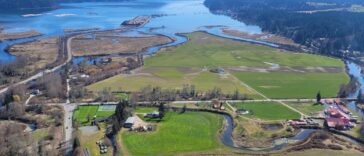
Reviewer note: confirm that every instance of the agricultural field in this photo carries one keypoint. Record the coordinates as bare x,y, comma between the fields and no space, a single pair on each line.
204,50
268,111
275,73
308,108
294,85
203,80
175,134
80,114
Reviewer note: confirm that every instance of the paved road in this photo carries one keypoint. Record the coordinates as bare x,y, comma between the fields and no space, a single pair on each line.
68,129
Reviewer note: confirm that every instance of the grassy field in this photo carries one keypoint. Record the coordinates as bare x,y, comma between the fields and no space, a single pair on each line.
164,78
80,114
185,64
268,111
177,133
210,51
294,85
306,107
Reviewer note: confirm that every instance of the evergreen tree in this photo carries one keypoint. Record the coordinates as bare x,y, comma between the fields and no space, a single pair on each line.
121,114
318,97
161,110
76,143
360,97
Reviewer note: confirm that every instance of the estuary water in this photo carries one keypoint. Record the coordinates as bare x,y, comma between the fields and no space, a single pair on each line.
171,16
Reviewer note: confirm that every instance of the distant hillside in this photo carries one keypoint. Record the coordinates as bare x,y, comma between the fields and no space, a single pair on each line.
39,4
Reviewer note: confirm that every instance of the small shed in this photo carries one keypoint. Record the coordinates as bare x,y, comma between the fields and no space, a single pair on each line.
129,122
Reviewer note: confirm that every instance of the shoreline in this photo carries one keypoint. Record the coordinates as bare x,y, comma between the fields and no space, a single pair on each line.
19,35
141,51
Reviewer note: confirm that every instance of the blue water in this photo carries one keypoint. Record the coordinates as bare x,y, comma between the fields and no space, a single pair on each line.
355,71
178,16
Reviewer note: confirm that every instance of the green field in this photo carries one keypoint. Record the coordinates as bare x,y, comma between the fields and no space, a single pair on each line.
145,109
177,133
210,51
307,108
81,113
189,64
294,85
164,78
268,111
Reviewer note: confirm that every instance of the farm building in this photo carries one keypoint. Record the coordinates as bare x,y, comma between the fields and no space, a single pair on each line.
129,122
338,123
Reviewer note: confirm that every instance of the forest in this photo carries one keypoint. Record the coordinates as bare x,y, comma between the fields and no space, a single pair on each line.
329,27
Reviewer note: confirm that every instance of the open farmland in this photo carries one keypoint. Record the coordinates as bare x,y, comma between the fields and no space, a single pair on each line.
268,111
273,72
177,133
203,80
294,85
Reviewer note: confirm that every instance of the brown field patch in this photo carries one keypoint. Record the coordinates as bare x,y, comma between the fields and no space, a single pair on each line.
99,44
39,53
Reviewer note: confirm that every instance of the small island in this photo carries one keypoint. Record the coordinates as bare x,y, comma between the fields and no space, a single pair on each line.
137,21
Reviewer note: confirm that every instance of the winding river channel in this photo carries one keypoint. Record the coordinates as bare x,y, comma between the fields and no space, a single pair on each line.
174,16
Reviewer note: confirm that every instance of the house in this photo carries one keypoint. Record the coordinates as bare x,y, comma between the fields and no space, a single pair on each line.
297,122
338,123
343,108
337,101
129,122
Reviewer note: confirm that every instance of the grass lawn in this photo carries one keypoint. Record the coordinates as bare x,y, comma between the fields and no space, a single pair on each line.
294,85
80,114
268,111
177,133
122,96
145,109
306,107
